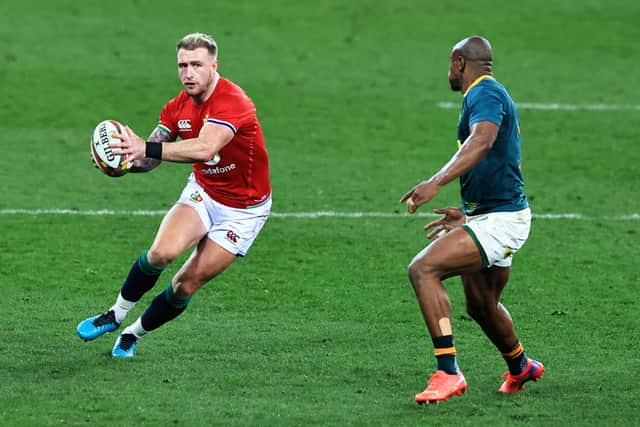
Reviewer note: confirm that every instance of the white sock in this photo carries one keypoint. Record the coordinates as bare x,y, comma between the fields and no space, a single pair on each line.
135,328
122,307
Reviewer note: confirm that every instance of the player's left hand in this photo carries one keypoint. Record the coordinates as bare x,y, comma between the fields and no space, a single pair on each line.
132,145
420,194
453,217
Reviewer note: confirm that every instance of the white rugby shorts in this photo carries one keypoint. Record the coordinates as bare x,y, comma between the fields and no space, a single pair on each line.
232,228
499,235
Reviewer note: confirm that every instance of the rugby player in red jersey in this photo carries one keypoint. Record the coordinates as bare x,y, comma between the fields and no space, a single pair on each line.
212,124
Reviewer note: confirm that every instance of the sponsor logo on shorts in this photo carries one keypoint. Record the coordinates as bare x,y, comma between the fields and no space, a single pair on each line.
232,237
218,169
508,252
184,124
196,197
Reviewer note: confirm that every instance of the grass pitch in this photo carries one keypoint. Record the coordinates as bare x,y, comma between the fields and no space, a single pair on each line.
318,325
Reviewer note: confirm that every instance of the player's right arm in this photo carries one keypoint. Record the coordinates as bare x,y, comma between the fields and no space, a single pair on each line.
475,147
147,164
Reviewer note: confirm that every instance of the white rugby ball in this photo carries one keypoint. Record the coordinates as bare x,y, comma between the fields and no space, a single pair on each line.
102,152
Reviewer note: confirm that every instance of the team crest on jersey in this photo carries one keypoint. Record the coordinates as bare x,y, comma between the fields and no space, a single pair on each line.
184,125
196,197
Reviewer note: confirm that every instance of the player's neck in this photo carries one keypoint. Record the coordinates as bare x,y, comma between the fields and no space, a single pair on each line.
474,79
202,98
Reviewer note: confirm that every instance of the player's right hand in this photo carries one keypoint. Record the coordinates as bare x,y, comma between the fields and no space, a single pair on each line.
131,145
420,194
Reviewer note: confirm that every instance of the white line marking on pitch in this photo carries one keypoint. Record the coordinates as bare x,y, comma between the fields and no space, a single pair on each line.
318,214
557,106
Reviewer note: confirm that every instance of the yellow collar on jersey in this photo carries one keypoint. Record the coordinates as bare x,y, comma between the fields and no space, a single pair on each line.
476,81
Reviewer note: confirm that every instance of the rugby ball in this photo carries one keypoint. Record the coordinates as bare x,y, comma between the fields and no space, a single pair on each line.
102,152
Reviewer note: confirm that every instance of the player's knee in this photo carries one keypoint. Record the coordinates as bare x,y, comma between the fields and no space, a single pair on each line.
420,270
186,284
414,273
186,289
161,257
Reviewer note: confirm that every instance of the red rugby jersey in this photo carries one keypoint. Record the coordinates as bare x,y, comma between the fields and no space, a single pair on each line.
239,175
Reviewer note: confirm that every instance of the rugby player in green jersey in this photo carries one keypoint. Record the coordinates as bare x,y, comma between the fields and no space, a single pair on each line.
477,241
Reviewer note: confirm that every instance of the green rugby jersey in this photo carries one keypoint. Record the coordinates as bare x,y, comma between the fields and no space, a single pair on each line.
495,183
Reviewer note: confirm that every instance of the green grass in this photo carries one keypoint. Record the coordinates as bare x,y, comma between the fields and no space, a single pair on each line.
329,336
318,325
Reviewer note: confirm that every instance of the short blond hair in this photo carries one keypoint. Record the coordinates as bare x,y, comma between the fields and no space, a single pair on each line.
195,40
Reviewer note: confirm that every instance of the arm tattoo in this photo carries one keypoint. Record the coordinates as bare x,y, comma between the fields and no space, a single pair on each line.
145,165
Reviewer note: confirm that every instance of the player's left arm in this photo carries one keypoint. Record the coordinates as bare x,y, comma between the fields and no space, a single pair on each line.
475,147
212,138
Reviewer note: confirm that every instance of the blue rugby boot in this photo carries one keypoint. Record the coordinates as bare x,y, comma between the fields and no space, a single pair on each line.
93,327
125,345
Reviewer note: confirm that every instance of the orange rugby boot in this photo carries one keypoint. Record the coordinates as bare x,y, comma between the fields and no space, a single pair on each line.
514,383
442,386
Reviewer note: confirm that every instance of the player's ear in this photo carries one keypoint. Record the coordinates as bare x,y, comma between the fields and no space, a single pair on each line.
461,63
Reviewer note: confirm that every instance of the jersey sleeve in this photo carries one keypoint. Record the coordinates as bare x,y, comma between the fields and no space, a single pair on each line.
167,120
486,105
233,111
